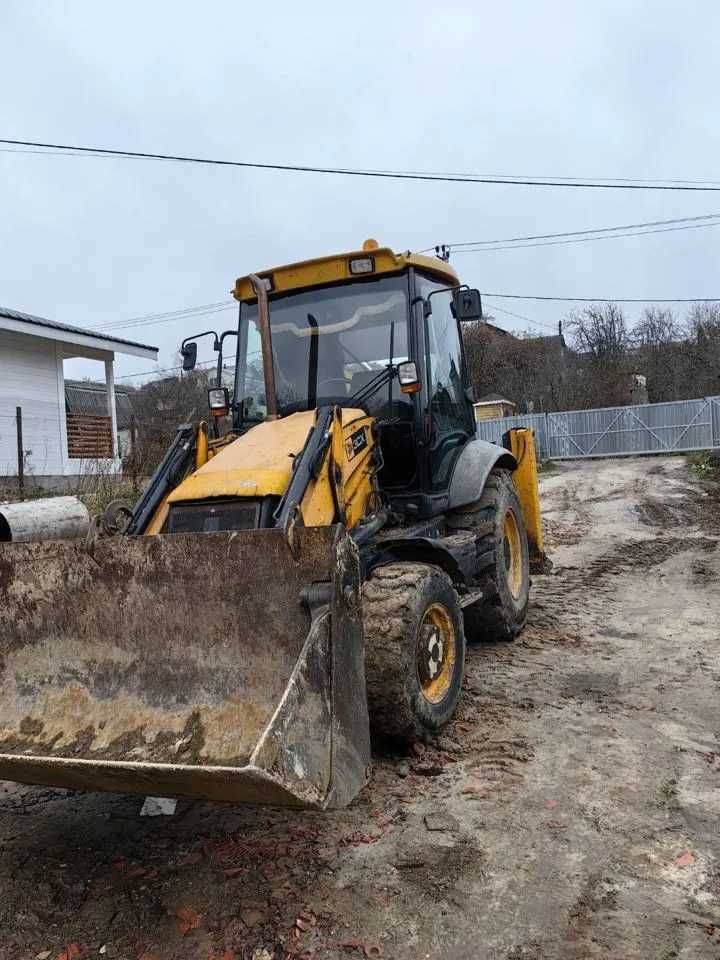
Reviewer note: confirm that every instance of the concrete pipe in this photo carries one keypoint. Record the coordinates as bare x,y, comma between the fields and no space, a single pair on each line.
52,518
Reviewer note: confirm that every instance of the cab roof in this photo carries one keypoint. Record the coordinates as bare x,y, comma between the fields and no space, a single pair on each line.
336,269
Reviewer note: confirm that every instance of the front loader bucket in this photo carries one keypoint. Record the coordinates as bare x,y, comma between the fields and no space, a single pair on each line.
186,665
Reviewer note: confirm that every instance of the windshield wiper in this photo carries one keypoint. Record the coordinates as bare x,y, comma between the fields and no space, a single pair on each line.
372,386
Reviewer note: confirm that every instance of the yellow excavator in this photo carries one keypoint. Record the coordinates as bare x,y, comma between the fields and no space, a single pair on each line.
303,572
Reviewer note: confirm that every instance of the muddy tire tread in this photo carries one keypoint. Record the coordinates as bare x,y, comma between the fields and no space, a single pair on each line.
390,601
491,619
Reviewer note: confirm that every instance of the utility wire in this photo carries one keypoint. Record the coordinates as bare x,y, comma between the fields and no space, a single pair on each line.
511,177
611,236
530,296
702,187
151,319
455,247
519,316
148,373
171,313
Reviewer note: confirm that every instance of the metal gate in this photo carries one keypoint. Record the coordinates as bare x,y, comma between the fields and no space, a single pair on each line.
677,427
493,430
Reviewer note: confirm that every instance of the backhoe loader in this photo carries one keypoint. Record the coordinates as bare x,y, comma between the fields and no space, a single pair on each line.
301,573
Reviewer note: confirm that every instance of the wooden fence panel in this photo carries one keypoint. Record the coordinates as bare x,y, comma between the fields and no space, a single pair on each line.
89,438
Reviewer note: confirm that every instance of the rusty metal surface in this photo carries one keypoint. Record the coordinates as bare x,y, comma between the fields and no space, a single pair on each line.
351,753
171,664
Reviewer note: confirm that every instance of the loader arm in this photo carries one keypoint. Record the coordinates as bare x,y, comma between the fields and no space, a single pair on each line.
170,471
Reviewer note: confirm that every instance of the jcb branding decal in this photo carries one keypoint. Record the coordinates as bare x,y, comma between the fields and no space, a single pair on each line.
356,442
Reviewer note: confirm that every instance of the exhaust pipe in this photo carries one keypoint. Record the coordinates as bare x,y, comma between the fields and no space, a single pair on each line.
266,340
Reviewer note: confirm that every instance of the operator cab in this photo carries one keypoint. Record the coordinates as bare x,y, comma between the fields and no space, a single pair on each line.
348,330
328,344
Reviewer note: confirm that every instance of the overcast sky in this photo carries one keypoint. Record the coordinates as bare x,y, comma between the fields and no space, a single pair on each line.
610,89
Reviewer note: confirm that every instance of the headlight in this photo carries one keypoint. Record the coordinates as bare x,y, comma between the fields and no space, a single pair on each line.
408,377
219,401
362,265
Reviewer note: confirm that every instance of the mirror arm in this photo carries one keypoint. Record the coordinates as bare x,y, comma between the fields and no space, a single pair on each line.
218,347
195,337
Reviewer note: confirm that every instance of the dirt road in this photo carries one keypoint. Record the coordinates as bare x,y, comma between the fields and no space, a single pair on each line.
571,811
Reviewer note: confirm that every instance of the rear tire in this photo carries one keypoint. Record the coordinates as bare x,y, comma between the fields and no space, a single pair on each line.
503,614
414,650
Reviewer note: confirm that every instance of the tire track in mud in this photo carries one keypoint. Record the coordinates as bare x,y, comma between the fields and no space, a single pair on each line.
644,554
383,871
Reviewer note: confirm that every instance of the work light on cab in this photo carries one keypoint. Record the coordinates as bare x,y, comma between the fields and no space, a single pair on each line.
408,377
360,265
219,401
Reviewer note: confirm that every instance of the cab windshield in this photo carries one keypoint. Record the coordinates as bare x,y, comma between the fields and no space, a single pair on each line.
328,344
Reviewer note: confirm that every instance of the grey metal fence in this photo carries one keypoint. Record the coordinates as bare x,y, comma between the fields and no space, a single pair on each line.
493,430
677,427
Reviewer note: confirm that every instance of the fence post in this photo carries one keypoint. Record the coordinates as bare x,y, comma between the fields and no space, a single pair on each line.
714,420
20,452
133,452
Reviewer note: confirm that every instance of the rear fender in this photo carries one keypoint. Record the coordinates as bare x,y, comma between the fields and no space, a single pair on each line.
418,550
472,469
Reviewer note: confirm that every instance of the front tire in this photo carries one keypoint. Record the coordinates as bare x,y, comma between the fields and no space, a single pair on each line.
414,650
502,614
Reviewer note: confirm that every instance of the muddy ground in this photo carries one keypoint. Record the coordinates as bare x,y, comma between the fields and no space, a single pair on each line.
571,811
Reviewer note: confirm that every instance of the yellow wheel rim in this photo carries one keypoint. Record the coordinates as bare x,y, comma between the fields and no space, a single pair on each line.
436,652
513,554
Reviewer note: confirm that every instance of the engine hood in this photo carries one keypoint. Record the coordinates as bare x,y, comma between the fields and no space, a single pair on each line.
257,464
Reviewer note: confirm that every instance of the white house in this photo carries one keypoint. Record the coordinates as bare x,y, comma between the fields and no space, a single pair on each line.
56,446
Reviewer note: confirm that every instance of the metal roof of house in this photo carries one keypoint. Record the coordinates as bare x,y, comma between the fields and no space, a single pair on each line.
89,398
554,340
69,328
493,328
493,398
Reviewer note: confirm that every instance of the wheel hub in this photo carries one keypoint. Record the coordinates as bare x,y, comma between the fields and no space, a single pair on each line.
512,551
436,652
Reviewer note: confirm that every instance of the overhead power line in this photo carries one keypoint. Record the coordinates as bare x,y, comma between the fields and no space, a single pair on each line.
531,296
150,373
607,236
151,319
607,184
458,247
511,177
519,316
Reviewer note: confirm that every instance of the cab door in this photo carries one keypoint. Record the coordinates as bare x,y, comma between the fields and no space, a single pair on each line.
450,416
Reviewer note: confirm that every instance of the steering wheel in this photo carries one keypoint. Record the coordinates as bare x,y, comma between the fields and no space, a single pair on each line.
341,380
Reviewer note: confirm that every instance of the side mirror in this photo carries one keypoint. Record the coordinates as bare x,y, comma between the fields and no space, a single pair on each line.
219,401
468,305
408,377
188,351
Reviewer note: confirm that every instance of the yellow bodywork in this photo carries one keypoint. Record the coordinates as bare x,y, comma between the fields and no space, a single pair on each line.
525,480
336,269
259,463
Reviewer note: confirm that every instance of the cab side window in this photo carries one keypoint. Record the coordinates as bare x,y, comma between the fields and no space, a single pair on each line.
450,418
444,351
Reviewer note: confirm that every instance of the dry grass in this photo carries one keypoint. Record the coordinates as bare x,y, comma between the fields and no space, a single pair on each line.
96,489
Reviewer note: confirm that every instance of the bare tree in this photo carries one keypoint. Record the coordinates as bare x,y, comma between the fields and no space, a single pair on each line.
600,331
159,407
659,354
703,321
656,328
602,344
533,372
702,326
